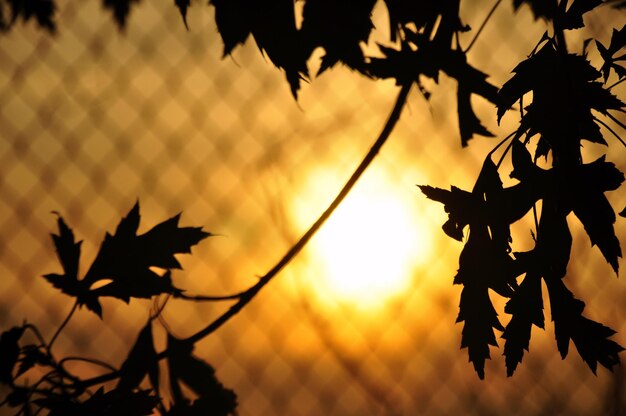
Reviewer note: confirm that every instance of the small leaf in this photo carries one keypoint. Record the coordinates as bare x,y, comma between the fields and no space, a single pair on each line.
480,318
469,124
42,10
9,352
183,5
121,10
526,306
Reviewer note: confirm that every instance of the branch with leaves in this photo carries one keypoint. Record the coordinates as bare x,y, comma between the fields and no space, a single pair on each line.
571,101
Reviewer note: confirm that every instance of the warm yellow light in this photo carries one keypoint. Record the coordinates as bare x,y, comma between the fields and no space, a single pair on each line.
368,250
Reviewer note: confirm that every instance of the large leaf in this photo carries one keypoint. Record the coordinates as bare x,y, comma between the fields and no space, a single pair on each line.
338,26
124,265
272,24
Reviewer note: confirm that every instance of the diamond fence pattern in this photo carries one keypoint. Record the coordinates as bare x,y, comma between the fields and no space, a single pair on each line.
92,120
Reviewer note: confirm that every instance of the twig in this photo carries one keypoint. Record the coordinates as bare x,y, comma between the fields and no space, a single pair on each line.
67,319
616,83
611,130
482,26
619,123
249,294
200,298
496,147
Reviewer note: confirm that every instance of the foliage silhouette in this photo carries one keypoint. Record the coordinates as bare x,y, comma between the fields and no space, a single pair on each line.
571,99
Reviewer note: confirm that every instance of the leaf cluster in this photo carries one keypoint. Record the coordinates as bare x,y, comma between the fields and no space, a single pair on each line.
126,261
568,96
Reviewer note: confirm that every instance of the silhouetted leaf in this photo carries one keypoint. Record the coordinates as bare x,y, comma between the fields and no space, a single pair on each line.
233,19
593,208
469,124
273,26
460,205
9,352
526,306
423,14
564,95
126,259
183,5
68,253
339,27
141,361
618,42
545,9
42,10
199,376
573,18
589,337
120,9
32,355
480,318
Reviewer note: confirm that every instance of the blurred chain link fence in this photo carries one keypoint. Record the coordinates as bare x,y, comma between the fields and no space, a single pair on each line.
92,120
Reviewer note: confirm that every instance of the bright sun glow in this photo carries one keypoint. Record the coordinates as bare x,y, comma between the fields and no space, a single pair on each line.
368,250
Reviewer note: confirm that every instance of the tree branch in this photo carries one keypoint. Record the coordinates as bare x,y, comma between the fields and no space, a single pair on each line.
249,294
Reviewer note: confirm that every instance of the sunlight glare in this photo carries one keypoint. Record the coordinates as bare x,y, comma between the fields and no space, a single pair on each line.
369,249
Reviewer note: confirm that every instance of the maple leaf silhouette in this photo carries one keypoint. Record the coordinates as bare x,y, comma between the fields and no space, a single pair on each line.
589,337
618,42
485,262
592,207
272,24
183,5
120,9
339,27
41,10
564,94
199,376
526,308
125,260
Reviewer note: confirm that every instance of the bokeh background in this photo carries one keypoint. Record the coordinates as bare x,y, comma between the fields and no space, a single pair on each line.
92,120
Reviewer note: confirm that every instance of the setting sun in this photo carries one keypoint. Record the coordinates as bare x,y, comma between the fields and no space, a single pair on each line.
368,250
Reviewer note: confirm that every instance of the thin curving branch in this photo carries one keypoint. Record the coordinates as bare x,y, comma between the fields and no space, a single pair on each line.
249,294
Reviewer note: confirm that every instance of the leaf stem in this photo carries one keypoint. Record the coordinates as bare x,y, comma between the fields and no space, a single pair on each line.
619,123
616,83
63,325
482,26
496,147
611,130
87,360
249,294
200,298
